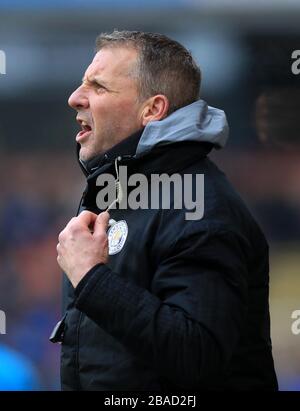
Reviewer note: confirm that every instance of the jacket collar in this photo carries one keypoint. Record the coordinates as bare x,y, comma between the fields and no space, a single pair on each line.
126,149
163,159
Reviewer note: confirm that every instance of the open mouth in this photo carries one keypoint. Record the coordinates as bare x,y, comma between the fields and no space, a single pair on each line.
86,130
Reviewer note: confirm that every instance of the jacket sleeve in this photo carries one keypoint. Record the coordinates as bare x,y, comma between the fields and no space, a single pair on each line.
187,325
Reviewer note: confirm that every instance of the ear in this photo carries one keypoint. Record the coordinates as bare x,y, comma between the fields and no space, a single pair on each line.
155,108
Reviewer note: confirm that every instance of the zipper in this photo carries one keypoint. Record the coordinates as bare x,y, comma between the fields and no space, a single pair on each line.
118,199
117,184
82,198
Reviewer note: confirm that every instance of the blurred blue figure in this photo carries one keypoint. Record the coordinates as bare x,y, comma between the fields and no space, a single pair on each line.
16,372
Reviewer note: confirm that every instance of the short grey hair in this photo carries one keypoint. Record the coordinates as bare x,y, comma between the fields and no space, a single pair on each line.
164,66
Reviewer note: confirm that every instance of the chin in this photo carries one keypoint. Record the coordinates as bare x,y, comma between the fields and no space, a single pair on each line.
85,154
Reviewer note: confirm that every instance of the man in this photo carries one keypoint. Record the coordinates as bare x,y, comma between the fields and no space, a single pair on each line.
159,301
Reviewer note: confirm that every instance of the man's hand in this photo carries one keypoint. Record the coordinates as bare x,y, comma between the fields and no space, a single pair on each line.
82,244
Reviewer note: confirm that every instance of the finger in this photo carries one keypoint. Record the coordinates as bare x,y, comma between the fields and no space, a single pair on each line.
101,222
87,218
60,237
70,223
59,261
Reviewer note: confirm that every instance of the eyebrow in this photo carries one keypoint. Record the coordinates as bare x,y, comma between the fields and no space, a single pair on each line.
94,80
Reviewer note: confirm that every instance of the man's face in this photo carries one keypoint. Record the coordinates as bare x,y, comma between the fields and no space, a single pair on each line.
107,101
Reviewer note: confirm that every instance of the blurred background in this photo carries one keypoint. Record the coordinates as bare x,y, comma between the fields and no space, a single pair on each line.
244,50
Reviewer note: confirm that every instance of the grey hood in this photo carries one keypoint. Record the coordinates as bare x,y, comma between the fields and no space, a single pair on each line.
195,122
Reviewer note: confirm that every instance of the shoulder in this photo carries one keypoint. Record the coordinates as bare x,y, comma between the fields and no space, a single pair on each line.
211,208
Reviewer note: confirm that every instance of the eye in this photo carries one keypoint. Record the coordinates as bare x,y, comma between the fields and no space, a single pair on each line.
99,87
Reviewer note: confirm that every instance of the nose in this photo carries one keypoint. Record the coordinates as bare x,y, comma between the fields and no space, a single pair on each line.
78,99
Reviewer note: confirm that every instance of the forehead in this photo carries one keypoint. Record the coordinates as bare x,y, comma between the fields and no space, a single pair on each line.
112,62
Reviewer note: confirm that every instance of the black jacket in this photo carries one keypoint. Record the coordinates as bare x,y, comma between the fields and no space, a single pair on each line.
184,304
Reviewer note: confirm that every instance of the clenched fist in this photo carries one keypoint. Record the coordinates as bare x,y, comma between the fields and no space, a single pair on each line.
83,244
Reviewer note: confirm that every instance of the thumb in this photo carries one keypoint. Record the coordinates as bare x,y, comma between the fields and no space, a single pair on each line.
101,223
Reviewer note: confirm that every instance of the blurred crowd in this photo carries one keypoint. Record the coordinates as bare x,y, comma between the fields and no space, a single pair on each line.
36,203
